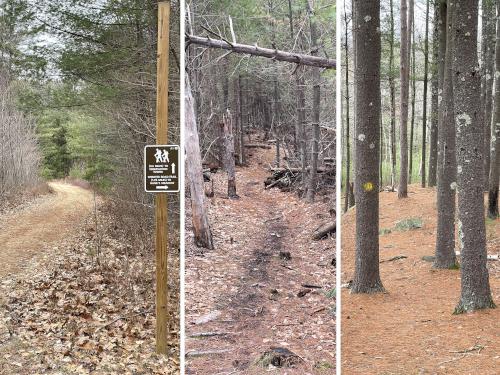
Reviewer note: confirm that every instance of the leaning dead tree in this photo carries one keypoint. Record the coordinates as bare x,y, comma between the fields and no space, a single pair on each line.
201,227
292,57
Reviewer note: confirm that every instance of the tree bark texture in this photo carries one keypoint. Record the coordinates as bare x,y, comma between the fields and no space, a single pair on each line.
392,88
229,165
439,51
404,77
347,119
367,72
495,138
426,78
446,184
475,287
488,57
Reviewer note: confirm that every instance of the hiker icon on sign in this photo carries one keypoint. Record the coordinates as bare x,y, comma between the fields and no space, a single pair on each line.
161,157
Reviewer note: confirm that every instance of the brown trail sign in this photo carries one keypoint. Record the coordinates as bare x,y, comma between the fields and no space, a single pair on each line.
161,168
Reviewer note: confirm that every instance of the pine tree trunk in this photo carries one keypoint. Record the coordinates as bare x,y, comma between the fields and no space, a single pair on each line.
367,51
446,184
426,76
488,55
201,226
241,139
475,287
404,74
439,50
495,140
413,94
392,88
347,119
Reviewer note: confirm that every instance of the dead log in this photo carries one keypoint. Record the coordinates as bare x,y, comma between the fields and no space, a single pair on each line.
298,169
324,230
258,145
297,58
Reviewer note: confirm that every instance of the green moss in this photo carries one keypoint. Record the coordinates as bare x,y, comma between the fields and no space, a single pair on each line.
331,293
323,365
409,224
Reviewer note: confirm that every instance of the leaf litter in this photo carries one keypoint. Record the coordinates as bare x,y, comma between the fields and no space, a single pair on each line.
67,314
245,290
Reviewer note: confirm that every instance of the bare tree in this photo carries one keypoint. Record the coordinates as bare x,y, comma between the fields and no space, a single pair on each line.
19,155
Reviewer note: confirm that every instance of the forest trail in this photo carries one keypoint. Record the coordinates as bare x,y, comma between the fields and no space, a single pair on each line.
242,299
28,230
411,329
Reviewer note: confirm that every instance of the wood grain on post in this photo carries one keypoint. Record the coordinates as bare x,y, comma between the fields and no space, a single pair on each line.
161,211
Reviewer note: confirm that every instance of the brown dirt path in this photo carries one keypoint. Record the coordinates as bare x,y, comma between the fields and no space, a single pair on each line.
411,329
232,289
27,231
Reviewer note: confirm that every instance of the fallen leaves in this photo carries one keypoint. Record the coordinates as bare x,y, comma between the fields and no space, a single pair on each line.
76,316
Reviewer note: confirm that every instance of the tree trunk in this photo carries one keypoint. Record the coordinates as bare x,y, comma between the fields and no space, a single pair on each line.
201,226
475,287
495,140
413,94
446,184
227,129
392,88
347,119
426,75
438,50
404,73
488,55
368,51
311,190
241,139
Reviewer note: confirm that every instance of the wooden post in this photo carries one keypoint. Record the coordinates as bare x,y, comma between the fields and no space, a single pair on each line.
161,210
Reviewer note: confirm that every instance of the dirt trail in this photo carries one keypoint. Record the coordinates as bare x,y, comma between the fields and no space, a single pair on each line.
411,329
28,231
241,298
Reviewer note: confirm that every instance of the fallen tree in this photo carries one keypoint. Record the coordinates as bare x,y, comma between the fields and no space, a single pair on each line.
324,230
297,58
